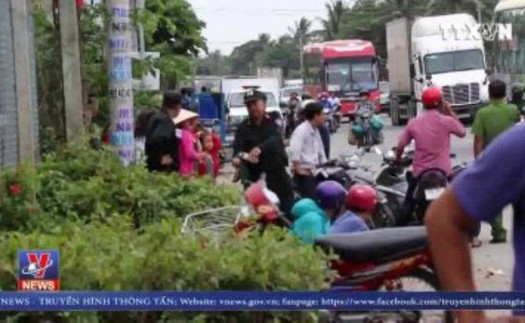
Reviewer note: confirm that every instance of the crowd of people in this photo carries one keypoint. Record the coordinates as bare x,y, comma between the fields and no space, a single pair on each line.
174,140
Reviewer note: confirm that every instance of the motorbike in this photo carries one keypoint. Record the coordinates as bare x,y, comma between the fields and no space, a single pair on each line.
393,178
381,260
337,116
367,127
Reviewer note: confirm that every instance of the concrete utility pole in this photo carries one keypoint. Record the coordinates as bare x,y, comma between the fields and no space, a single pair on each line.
71,69
120,80
25,98
301,56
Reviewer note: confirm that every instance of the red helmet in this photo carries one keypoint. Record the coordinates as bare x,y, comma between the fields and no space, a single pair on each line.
362,198
432,97
262,201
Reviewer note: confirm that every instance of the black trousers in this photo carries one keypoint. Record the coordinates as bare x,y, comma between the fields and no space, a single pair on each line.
325,136
305,186
405,214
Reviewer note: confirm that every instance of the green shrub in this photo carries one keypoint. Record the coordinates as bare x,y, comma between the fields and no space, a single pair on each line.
86,184
114,256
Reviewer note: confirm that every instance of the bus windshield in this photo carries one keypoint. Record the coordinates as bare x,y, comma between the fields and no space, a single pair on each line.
454,61
509,56
351,76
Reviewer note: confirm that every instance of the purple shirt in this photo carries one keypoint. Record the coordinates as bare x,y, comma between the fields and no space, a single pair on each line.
348,223
431,132
495,180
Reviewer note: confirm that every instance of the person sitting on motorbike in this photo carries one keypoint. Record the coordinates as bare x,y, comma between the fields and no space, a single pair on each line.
312,217
357,131
360,204
431,132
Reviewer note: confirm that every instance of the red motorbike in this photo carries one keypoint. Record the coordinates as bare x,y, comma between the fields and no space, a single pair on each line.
383,260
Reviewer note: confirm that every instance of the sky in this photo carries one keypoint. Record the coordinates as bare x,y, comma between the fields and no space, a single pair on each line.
230,23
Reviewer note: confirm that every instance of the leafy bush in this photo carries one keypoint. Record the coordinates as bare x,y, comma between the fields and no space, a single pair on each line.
160,258
86,184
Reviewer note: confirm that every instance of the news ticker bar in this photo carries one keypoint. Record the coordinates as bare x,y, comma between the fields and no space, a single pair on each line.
242,301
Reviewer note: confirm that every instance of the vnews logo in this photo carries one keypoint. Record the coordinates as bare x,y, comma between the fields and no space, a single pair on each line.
38,270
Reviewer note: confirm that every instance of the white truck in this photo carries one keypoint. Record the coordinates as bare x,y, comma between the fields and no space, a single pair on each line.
423,53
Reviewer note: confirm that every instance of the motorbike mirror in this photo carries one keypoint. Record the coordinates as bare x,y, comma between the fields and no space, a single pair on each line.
390,154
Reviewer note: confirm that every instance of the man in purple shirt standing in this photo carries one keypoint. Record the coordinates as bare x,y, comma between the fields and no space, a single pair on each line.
431,133
479,193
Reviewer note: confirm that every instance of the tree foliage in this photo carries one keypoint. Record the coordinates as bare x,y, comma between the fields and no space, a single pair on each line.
170,27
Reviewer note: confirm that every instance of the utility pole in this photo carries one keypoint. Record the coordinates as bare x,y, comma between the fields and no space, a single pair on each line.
120,81
71,69
23,49
301,56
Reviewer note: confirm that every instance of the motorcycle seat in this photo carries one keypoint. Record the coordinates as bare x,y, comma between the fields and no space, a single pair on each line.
376,246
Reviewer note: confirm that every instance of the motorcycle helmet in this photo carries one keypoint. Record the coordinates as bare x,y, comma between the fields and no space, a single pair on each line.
432,97
362,198
324,95
263,201
330,195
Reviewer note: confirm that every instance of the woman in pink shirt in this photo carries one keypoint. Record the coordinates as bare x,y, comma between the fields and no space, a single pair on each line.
188,155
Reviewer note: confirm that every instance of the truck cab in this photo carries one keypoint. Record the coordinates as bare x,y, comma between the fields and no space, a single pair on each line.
456,64
432,51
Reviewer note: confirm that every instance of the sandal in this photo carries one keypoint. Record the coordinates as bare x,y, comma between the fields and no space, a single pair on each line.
476,243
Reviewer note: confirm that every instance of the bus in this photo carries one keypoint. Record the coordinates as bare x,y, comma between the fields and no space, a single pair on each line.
509,56
343,68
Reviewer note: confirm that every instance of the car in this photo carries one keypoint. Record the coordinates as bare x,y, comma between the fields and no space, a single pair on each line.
384,100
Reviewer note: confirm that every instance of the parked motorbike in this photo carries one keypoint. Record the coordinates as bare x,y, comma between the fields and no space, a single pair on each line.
382,260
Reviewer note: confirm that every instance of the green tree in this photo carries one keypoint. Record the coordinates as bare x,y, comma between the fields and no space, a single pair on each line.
245,58
336,10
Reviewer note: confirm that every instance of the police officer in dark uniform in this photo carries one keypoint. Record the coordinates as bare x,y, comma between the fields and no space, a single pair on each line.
261,138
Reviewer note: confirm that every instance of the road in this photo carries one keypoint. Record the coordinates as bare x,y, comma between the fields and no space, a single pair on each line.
496,258
488,257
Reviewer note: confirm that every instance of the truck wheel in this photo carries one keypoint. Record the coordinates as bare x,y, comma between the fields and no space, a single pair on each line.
394,113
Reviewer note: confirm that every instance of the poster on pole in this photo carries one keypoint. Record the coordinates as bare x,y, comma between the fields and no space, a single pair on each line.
121,81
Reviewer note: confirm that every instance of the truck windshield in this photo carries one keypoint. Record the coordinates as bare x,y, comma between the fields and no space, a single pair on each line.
351,76
454,61
237,99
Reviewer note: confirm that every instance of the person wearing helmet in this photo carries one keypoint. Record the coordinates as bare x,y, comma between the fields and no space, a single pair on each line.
517,97
431,133
356,133
312,216
361,203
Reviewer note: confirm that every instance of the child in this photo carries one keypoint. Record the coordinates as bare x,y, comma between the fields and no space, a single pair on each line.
188,154
207,164
215,152
361,203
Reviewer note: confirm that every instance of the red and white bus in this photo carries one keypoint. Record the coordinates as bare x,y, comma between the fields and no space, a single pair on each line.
343,68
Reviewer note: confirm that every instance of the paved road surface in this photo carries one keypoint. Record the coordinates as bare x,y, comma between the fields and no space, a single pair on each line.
488,256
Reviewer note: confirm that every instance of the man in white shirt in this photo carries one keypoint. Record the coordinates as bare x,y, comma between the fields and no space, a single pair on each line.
307,150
